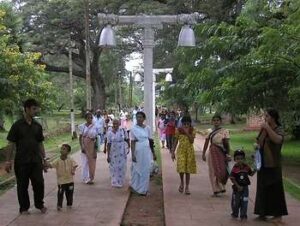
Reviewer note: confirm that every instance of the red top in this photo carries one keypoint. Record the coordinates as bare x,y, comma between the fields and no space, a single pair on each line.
170,130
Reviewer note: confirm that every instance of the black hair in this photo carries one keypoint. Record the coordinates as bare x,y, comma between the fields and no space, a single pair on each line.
87,114
68,147
217,116
239,152
274,114
30,102
186,119
141,113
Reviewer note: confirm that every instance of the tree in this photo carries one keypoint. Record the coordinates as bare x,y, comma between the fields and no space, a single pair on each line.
20,76
250,64
51,24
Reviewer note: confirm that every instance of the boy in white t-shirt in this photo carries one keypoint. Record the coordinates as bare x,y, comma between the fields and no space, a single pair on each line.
65,169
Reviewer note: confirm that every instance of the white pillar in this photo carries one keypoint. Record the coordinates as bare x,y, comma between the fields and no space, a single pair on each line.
148,75
154,103
87,58
71,93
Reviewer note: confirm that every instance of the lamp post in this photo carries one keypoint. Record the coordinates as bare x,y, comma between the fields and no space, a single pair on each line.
148,23
87,57
71,49
156,71
130,88
71,92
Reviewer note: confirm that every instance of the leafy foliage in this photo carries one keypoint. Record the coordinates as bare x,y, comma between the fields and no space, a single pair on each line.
20,76
247,65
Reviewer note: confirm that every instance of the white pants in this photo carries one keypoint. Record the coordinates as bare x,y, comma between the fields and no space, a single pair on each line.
85,168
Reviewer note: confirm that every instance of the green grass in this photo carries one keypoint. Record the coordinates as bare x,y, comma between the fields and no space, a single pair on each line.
157,150
244,140
3,141
292,188
52,145
234,128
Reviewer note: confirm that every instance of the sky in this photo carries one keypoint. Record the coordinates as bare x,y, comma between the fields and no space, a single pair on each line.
134,62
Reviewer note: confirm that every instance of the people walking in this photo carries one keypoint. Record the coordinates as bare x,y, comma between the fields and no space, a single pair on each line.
117,150
270,198
170,130
65,169
26,139
87,139
240,189
142,155
218,155
100,124
162,129
185,154
134,112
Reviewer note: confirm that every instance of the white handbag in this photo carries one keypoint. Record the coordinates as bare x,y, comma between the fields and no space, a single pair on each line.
257,159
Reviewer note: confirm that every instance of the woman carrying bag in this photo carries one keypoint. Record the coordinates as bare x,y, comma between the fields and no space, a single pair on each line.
270,198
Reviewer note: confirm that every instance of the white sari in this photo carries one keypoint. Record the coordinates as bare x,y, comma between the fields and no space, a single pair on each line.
140,170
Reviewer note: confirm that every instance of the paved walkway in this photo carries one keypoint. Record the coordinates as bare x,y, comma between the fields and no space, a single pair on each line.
200,208
97,204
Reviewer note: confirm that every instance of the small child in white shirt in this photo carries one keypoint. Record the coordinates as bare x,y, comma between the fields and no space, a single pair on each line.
65,169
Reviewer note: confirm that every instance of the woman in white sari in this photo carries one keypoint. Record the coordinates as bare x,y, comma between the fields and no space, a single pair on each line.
142,155
117,143
87,139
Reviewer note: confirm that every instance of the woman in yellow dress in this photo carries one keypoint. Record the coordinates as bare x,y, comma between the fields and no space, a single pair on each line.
186,162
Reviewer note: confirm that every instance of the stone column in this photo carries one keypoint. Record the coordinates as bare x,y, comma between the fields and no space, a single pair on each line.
148,45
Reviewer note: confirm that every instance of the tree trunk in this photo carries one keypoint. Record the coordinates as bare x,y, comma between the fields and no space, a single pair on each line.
98,85
196,111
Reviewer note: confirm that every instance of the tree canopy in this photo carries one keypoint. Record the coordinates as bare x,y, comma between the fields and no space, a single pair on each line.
247,65
20,76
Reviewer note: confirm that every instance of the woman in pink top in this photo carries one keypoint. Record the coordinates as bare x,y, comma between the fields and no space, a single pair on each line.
162,129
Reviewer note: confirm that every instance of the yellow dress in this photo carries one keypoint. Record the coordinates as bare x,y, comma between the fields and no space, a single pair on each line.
185,154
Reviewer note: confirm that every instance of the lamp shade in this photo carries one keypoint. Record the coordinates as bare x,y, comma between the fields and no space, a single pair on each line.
107,37
186,36
168,78
137,77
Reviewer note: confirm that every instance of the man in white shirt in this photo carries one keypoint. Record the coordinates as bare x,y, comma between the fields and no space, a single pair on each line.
100,123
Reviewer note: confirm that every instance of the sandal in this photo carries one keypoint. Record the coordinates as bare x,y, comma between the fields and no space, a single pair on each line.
187,192
180,189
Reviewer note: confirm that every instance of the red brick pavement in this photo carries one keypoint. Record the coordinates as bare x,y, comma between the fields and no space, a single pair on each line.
200,208
97,204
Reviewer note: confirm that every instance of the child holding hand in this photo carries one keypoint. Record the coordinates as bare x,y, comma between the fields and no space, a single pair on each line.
65,169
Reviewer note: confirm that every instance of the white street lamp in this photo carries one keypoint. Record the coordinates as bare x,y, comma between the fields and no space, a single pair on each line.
107,37
186,36
149,23
168,78
137,77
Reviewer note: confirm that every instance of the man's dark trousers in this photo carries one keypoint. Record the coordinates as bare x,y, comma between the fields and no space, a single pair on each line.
33,172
